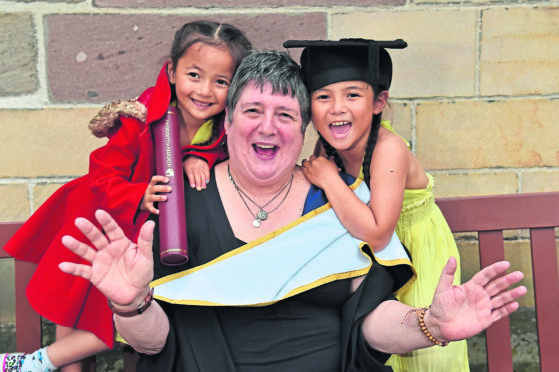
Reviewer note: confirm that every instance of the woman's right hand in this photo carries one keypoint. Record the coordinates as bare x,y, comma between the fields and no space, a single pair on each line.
120,269
153,193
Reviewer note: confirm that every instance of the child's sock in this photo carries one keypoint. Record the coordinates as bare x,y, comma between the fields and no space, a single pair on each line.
37,362
11,362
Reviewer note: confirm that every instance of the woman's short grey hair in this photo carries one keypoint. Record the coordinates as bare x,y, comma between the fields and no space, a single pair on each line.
275,68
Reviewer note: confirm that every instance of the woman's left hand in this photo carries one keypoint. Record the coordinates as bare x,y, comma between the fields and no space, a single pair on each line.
461,311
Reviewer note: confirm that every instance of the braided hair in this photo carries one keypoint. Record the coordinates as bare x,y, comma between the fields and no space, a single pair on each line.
371,143
332,153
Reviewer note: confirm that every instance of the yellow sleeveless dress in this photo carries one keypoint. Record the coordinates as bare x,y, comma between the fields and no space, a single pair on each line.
423,229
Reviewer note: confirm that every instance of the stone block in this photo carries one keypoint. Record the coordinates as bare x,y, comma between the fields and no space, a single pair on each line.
242,3
99,58
14,202
540,181
18,53
42,192
441,55
400,116
474,184
520,51
487,134
45,143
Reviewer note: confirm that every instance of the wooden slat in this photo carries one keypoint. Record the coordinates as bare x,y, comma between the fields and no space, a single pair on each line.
7,230
501,212
546,293
28,322
499,351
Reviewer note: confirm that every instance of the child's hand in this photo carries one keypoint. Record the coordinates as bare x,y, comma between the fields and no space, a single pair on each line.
197,171
152,194
319,170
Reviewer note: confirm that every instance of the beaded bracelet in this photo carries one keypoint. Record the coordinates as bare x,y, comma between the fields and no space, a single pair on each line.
140,309
423,327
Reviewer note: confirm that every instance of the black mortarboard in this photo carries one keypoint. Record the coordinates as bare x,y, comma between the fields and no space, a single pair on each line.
326,62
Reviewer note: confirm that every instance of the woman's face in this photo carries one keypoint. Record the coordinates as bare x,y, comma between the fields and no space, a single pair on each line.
342,113
202,78
264,137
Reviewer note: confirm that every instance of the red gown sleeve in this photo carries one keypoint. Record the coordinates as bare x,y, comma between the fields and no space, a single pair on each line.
117,177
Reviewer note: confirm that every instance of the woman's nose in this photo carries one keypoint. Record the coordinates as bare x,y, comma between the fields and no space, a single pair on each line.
267,125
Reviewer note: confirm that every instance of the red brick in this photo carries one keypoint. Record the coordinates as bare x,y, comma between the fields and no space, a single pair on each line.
121,55
241,3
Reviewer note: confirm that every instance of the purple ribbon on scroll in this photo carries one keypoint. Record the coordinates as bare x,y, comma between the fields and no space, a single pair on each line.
168,162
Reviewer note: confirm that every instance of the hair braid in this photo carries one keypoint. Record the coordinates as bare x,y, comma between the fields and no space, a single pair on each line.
371,143
217,120
332,153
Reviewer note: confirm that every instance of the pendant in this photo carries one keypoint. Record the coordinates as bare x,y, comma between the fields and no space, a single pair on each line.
262,215
256,223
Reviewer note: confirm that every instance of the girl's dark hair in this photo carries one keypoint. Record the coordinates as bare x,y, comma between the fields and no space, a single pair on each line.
214,34
371,143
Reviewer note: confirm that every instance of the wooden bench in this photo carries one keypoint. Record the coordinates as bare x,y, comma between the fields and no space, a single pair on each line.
486,215
489,216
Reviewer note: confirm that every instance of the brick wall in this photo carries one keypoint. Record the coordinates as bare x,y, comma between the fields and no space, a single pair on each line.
476,92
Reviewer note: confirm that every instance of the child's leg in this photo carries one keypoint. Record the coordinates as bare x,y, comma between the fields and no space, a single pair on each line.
71,346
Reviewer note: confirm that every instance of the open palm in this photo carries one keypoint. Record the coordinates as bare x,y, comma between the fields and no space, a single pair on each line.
464,310
120,269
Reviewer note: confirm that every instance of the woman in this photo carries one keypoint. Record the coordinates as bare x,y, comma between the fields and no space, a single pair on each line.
326,324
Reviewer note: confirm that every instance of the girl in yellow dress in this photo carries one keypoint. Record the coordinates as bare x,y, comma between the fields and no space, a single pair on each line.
349,81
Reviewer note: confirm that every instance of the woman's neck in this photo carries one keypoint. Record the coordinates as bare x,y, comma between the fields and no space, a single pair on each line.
286,208
258,190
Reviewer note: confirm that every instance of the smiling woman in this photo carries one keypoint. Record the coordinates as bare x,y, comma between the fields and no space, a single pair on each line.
298,292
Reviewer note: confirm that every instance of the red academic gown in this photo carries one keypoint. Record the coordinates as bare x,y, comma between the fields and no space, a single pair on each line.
119,174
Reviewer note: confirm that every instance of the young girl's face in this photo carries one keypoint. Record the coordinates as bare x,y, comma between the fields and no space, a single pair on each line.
202,78
342,113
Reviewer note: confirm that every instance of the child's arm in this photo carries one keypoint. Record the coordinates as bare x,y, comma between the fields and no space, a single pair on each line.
117,177
197,171
373,223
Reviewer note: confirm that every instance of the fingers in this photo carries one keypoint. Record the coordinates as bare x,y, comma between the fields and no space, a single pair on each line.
158,179
145,238
111,228
490,272
81,249
198,178
501,312
508,297
92,233
447,275
83,271
499,284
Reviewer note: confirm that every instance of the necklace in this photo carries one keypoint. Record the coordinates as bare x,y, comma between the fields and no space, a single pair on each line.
261,215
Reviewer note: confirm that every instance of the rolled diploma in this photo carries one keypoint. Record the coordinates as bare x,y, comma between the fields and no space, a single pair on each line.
172,217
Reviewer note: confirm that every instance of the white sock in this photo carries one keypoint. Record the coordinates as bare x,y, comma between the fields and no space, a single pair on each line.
37,362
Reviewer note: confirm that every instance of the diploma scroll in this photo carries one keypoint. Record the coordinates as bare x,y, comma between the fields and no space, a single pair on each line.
172,217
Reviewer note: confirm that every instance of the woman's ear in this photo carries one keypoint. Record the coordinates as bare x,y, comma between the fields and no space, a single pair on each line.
170,71
380,102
